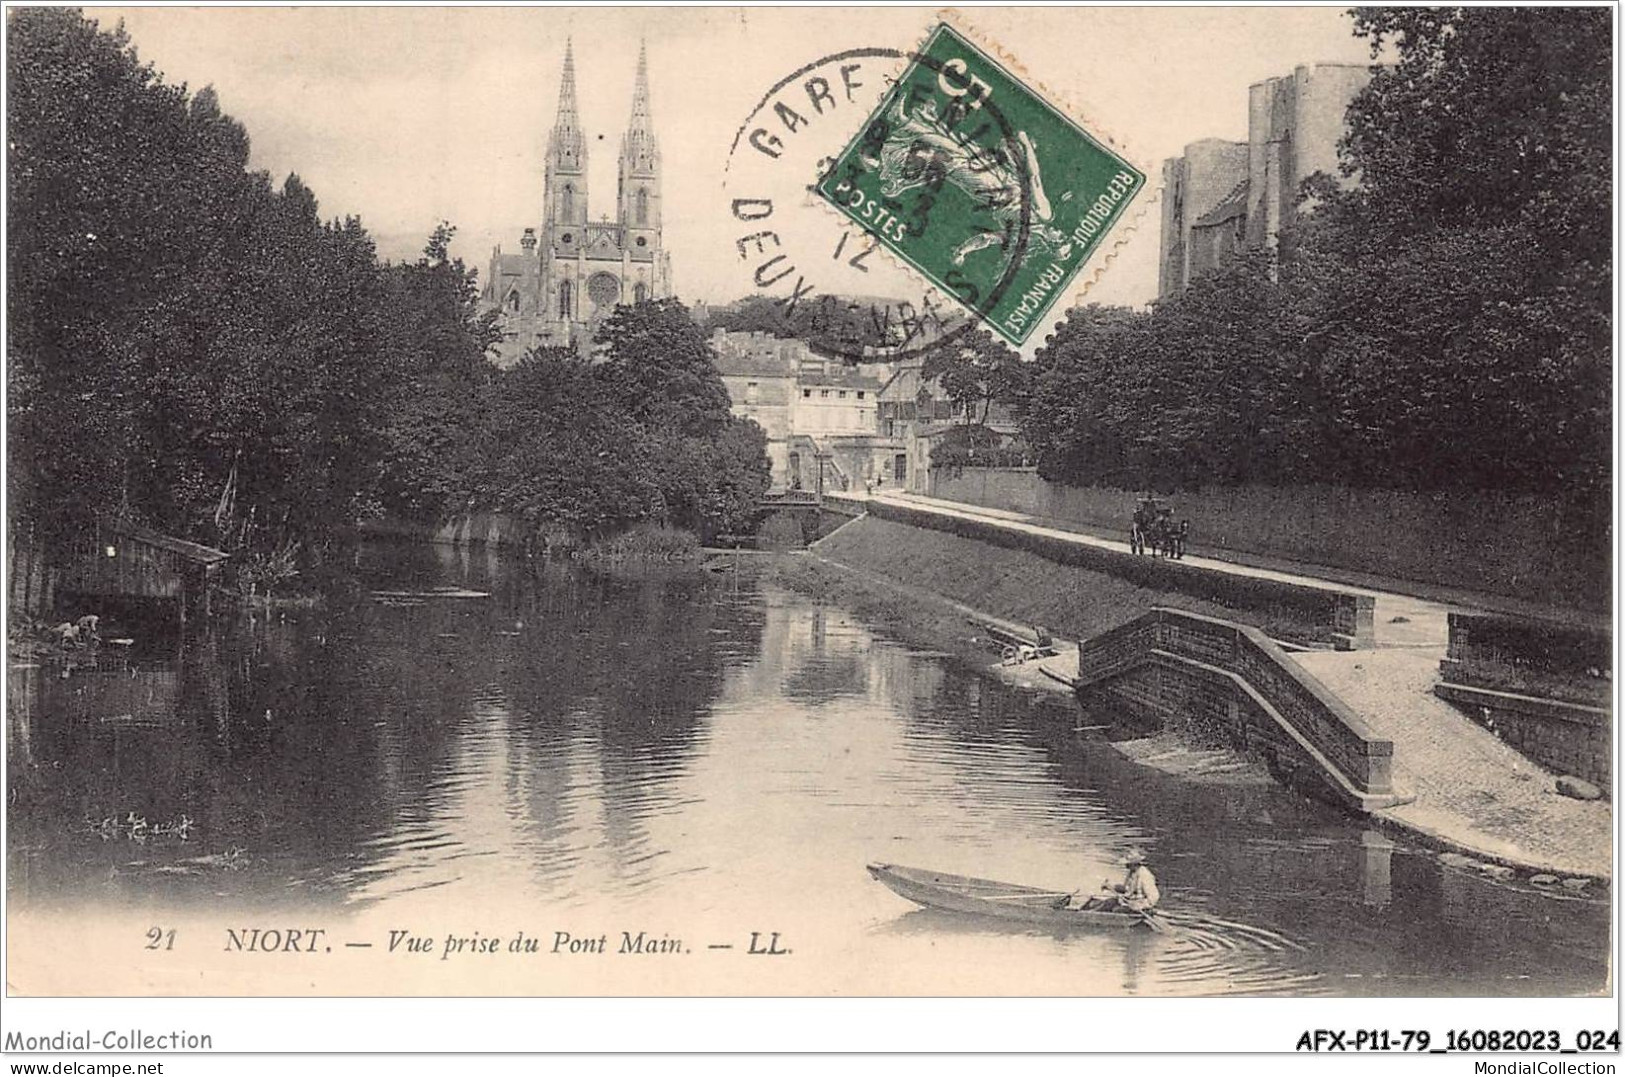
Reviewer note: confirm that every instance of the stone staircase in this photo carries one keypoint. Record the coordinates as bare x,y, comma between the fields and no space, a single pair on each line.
1224,682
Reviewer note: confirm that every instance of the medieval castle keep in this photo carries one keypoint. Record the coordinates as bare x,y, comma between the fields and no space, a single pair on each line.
565,281
1224,197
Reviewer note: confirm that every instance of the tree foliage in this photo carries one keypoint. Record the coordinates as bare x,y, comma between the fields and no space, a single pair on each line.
194,347
834,324
440,385
641,434
974,445
188,344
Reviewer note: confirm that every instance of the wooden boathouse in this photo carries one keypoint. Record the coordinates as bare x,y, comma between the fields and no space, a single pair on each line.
114,562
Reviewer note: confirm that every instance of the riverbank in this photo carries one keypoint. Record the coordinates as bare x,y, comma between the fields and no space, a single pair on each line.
1073,603
923,619
925,586
1475,794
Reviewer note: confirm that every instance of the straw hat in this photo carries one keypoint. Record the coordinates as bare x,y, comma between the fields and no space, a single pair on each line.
1135,855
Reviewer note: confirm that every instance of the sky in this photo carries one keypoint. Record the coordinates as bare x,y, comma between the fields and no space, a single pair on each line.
409,116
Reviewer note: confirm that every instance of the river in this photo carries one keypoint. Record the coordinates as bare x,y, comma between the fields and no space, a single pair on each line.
703,757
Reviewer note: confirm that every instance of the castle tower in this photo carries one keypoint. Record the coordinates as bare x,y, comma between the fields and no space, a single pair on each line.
1222,198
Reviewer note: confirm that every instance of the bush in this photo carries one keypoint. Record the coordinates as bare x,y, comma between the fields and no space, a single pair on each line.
260,574
555,542
647,543
978,446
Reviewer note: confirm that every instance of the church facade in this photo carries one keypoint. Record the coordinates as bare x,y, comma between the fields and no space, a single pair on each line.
571,273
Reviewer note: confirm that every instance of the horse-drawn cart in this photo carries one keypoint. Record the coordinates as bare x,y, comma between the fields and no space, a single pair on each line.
1152,530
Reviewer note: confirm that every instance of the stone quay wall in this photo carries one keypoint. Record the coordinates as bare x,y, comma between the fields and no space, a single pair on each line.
1496,544
1530,643
1339,616
1498,669
1564,737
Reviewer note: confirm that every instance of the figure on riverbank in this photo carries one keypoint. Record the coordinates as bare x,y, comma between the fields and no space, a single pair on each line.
84,632
1140,525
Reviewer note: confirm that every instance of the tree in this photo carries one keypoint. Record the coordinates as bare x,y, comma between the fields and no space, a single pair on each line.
975,445
662,368
439,394
1484,210
1491,115
104,215
642,433
710,467
565,455
976,371
191,347
1442,324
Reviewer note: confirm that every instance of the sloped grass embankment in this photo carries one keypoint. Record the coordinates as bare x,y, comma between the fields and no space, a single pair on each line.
1073,603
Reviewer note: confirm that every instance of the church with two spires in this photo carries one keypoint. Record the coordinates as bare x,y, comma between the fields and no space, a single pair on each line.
571,273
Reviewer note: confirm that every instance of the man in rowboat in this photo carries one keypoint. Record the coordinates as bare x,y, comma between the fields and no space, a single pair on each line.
1136,893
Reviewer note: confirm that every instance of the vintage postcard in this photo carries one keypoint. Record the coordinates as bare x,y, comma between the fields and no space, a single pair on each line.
787,502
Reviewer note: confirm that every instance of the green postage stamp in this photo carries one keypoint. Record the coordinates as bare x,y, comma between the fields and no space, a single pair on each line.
980,184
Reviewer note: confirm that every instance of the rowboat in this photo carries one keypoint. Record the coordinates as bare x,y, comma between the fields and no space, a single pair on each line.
1003,901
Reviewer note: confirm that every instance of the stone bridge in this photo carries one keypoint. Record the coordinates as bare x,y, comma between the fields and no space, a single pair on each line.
818,514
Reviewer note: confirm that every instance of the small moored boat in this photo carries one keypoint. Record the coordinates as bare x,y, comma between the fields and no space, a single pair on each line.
1004,901
433,592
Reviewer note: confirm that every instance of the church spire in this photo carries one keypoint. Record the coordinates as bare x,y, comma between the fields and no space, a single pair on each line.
565,145
640,153
565,198
567,87
639,194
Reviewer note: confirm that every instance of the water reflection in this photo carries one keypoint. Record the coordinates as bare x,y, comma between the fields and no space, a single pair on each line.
716,751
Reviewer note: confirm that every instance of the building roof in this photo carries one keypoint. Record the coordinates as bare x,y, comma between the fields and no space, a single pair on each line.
754,366
191,551
844,379
504,268
1230,207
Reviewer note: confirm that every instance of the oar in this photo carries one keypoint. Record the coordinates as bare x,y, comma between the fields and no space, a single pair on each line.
1057,899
